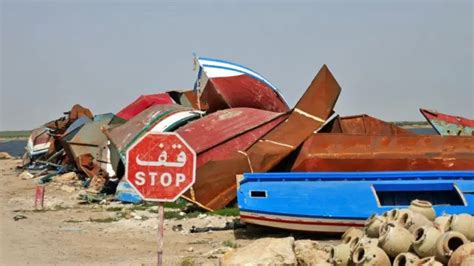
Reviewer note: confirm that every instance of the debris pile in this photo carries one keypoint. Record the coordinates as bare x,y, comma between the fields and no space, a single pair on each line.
237,122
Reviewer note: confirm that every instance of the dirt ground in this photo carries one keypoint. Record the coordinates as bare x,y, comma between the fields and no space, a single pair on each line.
70,233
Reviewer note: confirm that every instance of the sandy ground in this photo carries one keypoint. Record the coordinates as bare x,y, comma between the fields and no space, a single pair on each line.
70,233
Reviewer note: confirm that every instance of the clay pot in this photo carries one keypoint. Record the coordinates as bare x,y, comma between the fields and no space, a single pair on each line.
412,220
423,207
372,225
464,224
460,254
351,235
405,259
428,261
424,243
447,243
370,255
390,215
398,213
469,261
365,241
394,239
443,223
340,255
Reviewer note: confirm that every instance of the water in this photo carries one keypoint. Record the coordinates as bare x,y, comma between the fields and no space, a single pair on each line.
13,147
423,131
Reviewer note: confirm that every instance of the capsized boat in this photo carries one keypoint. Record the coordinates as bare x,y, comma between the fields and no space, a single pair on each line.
223,84
334,201
446,124
156,118
38,143
143,102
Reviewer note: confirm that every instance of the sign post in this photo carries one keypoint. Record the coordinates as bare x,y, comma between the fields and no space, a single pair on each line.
160,167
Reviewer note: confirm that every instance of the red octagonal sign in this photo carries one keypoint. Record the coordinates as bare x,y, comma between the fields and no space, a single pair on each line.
161,166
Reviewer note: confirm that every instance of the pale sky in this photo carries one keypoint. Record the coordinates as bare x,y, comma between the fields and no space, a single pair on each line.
390,57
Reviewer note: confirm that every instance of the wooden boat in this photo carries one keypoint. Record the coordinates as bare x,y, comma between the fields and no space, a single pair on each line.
334,201
446,124
223,85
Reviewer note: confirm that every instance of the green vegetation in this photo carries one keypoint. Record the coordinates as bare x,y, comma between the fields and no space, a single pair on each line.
188,261
177,215
412,123
11,134
226,212
103,220
230,244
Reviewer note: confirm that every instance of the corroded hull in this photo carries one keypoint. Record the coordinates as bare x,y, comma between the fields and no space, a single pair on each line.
215,185
343,152
446,124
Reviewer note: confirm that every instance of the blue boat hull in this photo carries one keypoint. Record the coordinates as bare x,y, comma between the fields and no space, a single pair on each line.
333,202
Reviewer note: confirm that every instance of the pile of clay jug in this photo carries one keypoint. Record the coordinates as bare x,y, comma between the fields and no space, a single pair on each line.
412,236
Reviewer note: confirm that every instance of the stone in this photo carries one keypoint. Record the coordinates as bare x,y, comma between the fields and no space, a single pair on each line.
264,251
68,189
66,177
5,156
309,252
25,175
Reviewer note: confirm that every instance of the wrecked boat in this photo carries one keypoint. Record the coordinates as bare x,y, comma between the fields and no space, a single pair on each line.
143,102
334,201
362,125
355,153
38,143
215,185
222,85
447,125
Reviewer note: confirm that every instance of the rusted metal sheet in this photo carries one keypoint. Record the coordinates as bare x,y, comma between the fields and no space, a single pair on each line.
142,103
215,184
221,133
446,124
344,152
363,125
188,98
88,139
223,85
60,125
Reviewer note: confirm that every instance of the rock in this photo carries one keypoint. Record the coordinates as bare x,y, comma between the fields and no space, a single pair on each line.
19,217
136,216
215,253
26,175
68,189
5,156
310,252
264,251
66,177
190,249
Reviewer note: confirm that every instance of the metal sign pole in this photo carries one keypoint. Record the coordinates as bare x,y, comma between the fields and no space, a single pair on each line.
161,218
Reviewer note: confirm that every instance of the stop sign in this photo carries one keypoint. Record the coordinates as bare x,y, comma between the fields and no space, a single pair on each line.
160,166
